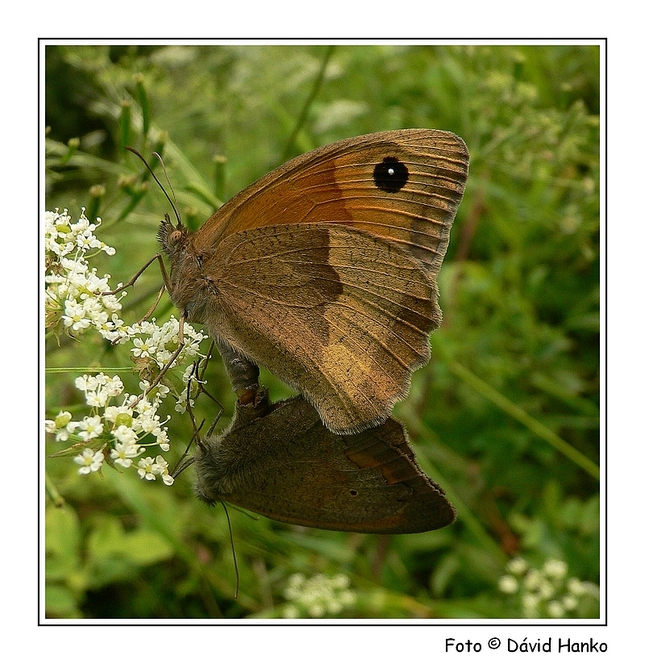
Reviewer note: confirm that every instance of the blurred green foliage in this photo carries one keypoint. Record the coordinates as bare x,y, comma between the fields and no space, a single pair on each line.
506,414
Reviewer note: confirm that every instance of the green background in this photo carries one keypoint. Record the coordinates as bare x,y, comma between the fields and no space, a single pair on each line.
506,414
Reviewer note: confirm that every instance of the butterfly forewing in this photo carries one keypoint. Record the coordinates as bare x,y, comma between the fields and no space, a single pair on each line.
337,183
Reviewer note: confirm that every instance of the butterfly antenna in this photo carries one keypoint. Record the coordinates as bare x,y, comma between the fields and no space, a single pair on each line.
230,534
156,179
165,172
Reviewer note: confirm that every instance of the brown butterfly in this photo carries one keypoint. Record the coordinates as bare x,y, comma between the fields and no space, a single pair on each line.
324,271
280,461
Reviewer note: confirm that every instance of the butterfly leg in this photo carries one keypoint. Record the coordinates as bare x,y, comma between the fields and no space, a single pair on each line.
243,374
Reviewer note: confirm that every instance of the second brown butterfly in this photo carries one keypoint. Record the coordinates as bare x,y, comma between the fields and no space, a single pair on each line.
280,461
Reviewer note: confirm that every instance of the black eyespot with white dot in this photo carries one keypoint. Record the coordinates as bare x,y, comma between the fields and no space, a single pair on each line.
390,175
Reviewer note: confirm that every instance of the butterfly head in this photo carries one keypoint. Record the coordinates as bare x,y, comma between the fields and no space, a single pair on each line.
172,238
186,279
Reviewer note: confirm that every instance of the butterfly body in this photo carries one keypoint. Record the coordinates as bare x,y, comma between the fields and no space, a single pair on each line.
324,271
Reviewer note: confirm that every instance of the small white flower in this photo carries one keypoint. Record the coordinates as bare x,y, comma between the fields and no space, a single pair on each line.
162,391
143,348
147,422
89,461
113,386
545,589
340,581
125,435
508,584
162,440
555,609
334,606
556,569
530,604
575,586
517,566
290,612
90,427
590,589
75,316
123,453
85,383
146,468
316,610
95,399
163,356
144,422
569,602
347,597
61,427
63,418
161,468
533,579
119,415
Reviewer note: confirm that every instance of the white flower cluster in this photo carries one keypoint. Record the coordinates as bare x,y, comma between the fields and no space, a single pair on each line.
121,430
117,428
74,293
318,596
547,592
